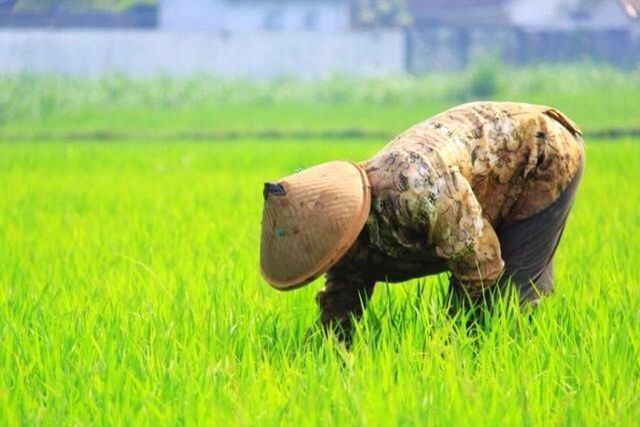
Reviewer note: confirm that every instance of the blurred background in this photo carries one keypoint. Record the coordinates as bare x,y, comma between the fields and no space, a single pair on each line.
99,63
309,37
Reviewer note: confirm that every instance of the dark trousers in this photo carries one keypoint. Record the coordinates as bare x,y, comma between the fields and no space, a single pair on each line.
528,247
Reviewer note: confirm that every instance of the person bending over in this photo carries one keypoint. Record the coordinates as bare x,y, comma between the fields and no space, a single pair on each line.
482,191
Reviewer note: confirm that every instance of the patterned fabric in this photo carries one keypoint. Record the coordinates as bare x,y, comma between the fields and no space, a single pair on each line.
442,188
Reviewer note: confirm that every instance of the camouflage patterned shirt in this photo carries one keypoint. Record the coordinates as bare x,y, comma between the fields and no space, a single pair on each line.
442,188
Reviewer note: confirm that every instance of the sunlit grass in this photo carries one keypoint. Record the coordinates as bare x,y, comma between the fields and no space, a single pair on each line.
130,294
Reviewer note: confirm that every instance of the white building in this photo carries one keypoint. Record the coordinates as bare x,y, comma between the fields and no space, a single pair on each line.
570,15
254,15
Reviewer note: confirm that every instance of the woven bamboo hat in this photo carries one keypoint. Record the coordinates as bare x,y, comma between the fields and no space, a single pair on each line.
309,221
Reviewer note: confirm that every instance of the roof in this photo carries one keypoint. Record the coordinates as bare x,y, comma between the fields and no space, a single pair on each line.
427,5
459,12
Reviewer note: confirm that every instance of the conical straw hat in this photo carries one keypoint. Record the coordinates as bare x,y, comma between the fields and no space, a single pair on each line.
309,221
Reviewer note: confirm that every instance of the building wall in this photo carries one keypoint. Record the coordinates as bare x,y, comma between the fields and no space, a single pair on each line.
447,48
144,53
252,15
302,54
561,15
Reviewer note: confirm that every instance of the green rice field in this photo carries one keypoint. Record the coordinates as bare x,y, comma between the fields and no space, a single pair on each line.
130,292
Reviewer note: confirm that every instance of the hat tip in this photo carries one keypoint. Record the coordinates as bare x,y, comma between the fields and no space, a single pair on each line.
274,188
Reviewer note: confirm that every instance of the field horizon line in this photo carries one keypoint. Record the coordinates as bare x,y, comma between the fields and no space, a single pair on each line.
268,134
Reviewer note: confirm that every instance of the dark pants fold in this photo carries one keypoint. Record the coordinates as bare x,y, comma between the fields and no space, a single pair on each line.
528,247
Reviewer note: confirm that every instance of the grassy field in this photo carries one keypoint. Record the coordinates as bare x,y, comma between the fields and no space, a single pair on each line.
130,292
38,107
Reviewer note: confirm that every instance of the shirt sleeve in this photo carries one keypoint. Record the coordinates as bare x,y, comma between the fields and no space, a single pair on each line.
463,237
426,200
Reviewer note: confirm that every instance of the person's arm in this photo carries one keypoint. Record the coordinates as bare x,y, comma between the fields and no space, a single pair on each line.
341,300
464,238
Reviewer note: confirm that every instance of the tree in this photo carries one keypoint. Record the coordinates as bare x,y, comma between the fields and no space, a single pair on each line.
7,4
392,13
48,5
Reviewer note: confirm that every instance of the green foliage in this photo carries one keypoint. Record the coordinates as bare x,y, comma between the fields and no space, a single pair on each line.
596,97
484,79
130,295
382,13
47,5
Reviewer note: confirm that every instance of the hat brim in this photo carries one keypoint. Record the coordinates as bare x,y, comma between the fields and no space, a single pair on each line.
352,192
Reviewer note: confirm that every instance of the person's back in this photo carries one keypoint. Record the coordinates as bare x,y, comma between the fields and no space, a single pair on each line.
502,148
